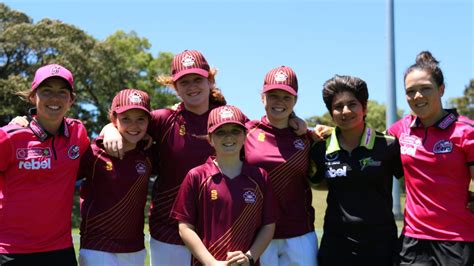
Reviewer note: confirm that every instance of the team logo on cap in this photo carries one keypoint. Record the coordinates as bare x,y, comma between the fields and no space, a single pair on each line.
73,152
280,76
299,144
249,197
135,97
226,113
188,60
55,70
141,168
443,146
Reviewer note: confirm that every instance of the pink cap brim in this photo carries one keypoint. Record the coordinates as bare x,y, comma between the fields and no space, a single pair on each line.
130,107
283,87
198,71
213,128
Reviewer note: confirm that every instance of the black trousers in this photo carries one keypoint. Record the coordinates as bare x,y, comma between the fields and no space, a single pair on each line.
62,257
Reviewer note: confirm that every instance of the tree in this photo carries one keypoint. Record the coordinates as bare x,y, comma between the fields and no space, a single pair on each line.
375,117
100,68
465,104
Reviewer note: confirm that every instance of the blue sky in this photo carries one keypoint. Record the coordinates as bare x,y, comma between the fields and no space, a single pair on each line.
319,38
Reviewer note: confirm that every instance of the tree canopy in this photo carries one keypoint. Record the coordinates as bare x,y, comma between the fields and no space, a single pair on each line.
465,104
100,68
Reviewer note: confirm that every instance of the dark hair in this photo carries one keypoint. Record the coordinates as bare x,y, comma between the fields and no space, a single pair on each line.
338,84
426,62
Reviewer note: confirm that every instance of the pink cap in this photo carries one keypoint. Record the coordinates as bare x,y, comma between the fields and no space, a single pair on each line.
281,78
53,70
130,99
226,114
189,62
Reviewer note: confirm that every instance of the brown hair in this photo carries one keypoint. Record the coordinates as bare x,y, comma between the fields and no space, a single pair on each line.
216,98
425,61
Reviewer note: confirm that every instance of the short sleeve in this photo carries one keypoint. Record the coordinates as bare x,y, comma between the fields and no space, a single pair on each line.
185,205
317,162
468,145
6,146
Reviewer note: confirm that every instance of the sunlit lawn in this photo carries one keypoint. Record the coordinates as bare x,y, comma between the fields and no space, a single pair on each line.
319,204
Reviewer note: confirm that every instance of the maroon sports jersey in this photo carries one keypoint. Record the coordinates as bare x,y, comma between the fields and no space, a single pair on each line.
227,213
285,157
182,145
113,198
37,176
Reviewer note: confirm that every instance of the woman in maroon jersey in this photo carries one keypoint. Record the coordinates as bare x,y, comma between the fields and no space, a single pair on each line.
286,159
114,193
225,207
180,135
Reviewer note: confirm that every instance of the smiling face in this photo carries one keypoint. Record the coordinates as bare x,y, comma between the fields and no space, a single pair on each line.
52,99
132,125
424,96
194,90
278,106
228,139
347,112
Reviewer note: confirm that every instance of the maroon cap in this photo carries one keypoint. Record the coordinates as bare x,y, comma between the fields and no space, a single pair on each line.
189,62
49,71
130,99
226,114
281,78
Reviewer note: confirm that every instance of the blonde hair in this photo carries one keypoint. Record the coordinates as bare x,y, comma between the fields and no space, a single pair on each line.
215,96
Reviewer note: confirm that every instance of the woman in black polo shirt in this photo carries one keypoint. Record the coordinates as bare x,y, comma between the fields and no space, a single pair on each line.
357,164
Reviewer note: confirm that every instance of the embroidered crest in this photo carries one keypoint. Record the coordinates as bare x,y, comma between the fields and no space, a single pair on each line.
249,197
55,70
141,168
73,152
299,144
135,97
188,60
280,76
226,113
443,146
213,194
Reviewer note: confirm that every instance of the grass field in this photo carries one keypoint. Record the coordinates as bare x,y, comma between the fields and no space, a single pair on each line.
319,204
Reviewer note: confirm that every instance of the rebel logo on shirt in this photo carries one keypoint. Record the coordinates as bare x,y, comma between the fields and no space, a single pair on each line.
299,144
73,152
35,164
141,168
443,146
23,153
249,197
334,171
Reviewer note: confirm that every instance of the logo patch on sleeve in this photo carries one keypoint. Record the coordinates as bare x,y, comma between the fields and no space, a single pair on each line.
443,146
249,197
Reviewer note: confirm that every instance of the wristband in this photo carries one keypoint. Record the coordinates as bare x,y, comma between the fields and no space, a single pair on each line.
251,261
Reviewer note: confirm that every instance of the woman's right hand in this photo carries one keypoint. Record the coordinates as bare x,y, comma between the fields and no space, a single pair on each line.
113,142
21,121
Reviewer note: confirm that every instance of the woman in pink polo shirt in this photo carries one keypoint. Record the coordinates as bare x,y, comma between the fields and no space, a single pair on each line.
38,167
437,150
